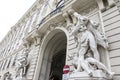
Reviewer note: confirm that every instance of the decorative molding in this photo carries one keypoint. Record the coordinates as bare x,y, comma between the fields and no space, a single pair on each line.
67,18
21,64
38,38
52,27
26,44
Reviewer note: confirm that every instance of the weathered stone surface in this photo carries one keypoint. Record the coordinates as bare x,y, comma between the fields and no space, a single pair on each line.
45,30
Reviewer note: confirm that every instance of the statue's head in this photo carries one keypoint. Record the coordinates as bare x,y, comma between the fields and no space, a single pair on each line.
82,28
94,24
71,11
84,20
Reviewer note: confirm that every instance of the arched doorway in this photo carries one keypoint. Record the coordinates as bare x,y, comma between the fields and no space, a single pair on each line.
58,61
54,56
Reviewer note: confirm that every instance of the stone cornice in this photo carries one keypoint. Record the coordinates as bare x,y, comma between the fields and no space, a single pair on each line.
29,38
28,14
25,17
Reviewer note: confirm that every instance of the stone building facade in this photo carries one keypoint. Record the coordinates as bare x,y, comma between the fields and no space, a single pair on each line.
39,45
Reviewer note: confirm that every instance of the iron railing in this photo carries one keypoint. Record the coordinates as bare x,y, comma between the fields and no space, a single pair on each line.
57,10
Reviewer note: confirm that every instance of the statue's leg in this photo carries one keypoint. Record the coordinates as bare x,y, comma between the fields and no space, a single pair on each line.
82,51
24,70
93,47
99,65
20,73
96,53
78,66
102,66
81,61
86,68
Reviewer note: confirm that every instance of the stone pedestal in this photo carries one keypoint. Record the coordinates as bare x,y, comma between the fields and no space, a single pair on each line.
97,75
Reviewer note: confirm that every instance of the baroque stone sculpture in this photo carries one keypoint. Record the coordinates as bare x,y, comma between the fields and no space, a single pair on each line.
7,76
88,38
21,65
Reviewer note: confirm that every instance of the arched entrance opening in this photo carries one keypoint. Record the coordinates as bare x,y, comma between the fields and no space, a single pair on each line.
54,56
58,61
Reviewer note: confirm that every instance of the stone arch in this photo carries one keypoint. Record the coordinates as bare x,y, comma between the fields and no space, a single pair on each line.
53,44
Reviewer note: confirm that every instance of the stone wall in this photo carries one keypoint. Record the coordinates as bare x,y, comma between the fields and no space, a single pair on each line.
33,57
8,64
13,43
111,21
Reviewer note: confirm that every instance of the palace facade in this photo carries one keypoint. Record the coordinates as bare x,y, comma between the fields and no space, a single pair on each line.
41,43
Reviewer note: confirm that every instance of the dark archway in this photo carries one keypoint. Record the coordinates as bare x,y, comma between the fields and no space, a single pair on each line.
58,62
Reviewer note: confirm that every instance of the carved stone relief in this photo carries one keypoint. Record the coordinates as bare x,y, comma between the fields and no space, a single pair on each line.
26,44
69,24
53,26
7,76
38,38
21,64
88,38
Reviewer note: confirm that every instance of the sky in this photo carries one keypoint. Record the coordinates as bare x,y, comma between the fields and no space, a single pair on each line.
10,12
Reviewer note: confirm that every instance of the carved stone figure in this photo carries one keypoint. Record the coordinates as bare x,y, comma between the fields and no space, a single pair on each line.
7,76
88,38
90,64
99,37
82,65
92,61
21,64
